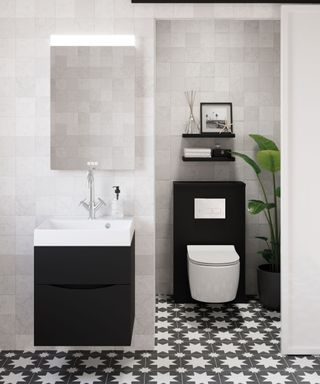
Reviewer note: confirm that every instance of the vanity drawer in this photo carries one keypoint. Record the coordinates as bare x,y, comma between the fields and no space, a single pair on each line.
75,315
84,265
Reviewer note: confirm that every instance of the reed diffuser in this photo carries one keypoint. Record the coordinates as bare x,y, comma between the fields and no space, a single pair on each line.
192,126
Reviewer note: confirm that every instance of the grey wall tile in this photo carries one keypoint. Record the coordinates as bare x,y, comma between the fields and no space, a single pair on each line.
7,304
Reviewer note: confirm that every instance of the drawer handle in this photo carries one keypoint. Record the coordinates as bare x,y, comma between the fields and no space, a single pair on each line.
81,286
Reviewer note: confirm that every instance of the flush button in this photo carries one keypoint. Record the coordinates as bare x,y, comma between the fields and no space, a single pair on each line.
209,208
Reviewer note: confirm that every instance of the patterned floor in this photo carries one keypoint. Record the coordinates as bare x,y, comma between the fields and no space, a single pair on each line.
196,344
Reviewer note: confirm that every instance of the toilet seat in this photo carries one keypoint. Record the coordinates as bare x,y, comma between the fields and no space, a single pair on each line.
214,272
213,255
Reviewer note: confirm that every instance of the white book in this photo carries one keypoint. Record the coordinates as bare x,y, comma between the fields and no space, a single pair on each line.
191,150
197,155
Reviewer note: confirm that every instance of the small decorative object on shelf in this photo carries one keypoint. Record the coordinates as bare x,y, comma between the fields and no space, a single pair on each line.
216,117
192,126
225,127
217,151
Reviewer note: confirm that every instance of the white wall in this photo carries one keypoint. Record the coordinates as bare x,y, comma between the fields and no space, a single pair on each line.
29,190
300,301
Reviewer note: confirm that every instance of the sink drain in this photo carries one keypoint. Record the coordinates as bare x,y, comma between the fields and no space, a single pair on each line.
108,225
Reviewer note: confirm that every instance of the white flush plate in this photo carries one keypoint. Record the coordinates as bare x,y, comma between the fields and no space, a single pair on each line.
209,208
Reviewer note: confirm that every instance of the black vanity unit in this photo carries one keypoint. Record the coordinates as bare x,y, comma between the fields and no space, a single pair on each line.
84,295
213,231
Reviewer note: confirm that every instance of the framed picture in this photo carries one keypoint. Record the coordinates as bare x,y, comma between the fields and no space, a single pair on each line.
216,117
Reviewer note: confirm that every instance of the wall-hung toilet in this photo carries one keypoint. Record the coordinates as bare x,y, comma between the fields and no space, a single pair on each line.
214,272
208,213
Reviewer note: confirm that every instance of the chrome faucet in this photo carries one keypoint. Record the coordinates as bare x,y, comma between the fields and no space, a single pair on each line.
92,206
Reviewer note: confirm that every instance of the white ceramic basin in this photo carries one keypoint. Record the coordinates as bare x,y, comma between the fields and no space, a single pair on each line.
81,232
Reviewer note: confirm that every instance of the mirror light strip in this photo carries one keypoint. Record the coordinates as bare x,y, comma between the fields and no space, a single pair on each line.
92,40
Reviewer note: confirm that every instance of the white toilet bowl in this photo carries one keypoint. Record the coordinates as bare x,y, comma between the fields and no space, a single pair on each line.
214,272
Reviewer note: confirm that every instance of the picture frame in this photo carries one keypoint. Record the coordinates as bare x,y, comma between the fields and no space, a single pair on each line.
216,117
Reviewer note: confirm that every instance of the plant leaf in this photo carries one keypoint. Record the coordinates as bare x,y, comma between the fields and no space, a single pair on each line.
262,238
269,160
264,143
267,255
250,161
256,206
278,191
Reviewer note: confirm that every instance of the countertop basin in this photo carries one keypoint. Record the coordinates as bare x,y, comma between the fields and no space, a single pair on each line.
81,232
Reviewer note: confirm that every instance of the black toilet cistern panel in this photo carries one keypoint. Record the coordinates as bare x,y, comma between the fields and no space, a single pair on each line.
188,230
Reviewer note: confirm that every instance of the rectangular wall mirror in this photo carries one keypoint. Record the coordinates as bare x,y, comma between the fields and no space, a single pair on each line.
92,103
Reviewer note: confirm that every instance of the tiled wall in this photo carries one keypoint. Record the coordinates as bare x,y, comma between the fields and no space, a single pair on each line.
29,190
225,61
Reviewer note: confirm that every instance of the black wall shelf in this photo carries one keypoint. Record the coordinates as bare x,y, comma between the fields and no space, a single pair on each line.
208,158
222,135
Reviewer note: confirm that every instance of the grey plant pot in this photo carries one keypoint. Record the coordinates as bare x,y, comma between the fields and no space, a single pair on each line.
269,287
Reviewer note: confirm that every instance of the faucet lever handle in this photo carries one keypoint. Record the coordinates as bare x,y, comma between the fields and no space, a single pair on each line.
82,201
101,201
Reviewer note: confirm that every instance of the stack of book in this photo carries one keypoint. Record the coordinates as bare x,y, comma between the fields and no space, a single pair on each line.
197,152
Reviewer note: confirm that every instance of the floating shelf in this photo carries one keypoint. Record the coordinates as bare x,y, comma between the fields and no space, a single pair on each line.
208,158
222,135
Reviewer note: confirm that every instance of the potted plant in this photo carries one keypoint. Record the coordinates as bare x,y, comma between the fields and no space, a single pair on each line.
267,159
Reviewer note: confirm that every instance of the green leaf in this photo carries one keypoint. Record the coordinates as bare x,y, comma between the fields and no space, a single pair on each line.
278,191
267,255
269,160
256,206
249,161
264,143
262,238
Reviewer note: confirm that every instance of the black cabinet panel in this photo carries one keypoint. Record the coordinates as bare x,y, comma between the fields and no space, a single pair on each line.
84,295
83,315
188,230
86,265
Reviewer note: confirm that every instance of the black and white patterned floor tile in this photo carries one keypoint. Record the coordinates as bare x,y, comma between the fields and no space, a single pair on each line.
195,343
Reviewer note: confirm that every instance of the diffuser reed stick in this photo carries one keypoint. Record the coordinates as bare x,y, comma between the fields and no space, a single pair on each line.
192,125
